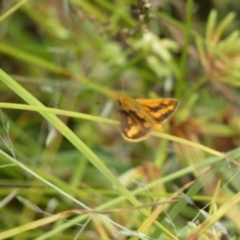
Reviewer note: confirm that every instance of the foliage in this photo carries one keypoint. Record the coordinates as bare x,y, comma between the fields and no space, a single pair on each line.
66,170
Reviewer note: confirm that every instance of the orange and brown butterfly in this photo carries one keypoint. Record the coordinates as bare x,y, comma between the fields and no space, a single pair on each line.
138,117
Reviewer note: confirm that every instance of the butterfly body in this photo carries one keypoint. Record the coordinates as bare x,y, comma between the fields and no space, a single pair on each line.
138,117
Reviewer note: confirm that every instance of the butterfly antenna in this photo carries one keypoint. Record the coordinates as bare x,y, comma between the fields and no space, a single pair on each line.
122,81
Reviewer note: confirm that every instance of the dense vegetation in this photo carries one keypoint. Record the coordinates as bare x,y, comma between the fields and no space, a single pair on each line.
65,170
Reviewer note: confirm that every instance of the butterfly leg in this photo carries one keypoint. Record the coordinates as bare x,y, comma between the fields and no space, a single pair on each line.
158,127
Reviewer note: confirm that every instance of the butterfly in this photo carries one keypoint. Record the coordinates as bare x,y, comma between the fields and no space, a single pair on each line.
138,117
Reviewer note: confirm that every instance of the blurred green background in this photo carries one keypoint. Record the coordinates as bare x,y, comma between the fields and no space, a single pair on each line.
76,55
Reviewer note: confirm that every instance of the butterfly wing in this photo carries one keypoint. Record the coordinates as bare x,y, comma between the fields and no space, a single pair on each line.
139,116
134,127
158,109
